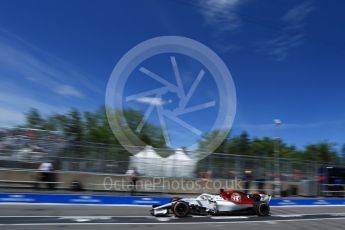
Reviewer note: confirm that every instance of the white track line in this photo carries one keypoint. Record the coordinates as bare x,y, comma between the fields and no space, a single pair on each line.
175,223
172,217
307,206
76,216
291,215
228,217
309,214
79,204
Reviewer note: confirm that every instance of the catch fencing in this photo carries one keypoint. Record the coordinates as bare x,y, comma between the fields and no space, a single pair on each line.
20,152
26,149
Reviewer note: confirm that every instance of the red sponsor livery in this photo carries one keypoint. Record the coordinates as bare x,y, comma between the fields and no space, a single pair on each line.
237,197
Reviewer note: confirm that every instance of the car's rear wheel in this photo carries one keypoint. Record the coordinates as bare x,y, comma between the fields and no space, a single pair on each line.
181,209
262,209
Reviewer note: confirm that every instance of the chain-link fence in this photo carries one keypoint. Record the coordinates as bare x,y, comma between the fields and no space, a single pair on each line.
27,148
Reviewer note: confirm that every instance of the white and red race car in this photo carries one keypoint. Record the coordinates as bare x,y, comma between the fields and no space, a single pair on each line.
226,203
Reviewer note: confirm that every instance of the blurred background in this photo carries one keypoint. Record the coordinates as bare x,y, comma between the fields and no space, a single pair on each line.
286,60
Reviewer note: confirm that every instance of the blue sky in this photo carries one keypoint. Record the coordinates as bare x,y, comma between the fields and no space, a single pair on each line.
286,57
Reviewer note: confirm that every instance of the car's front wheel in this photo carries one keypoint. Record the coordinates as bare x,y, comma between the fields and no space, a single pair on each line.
181,209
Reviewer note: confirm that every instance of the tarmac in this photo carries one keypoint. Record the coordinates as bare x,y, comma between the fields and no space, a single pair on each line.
48,216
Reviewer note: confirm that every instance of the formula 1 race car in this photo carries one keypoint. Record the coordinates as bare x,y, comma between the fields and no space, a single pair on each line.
226,203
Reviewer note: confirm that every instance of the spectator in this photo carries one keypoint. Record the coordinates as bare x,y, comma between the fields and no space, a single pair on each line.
46,174
247,180
133,175
232,173
260,181
206,176
338,186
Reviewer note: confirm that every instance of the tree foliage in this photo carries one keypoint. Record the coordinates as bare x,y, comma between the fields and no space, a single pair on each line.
94,127
265,147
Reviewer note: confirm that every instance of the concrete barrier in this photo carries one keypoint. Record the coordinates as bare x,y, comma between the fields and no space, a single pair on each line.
122,183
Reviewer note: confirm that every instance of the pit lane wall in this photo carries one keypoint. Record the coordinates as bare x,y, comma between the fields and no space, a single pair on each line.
81,199
139,200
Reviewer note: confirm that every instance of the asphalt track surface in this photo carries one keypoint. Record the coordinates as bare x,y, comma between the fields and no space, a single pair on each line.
49,217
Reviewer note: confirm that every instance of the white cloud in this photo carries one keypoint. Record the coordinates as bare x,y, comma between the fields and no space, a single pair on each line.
13,107
32,78
223,47
292,34
21,103
151,100
22,60
69,91
221,13
297,14
10,118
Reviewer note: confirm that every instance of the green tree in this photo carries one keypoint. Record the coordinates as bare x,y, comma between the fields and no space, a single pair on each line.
97,128
210,137
343,154
322,152
94,127
34,119
240,145
263,147
150,134
74,125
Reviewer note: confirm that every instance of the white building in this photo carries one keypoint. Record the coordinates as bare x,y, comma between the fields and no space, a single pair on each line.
179,164
147,162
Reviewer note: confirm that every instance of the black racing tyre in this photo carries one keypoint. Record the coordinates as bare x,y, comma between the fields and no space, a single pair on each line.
181,209
262,209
